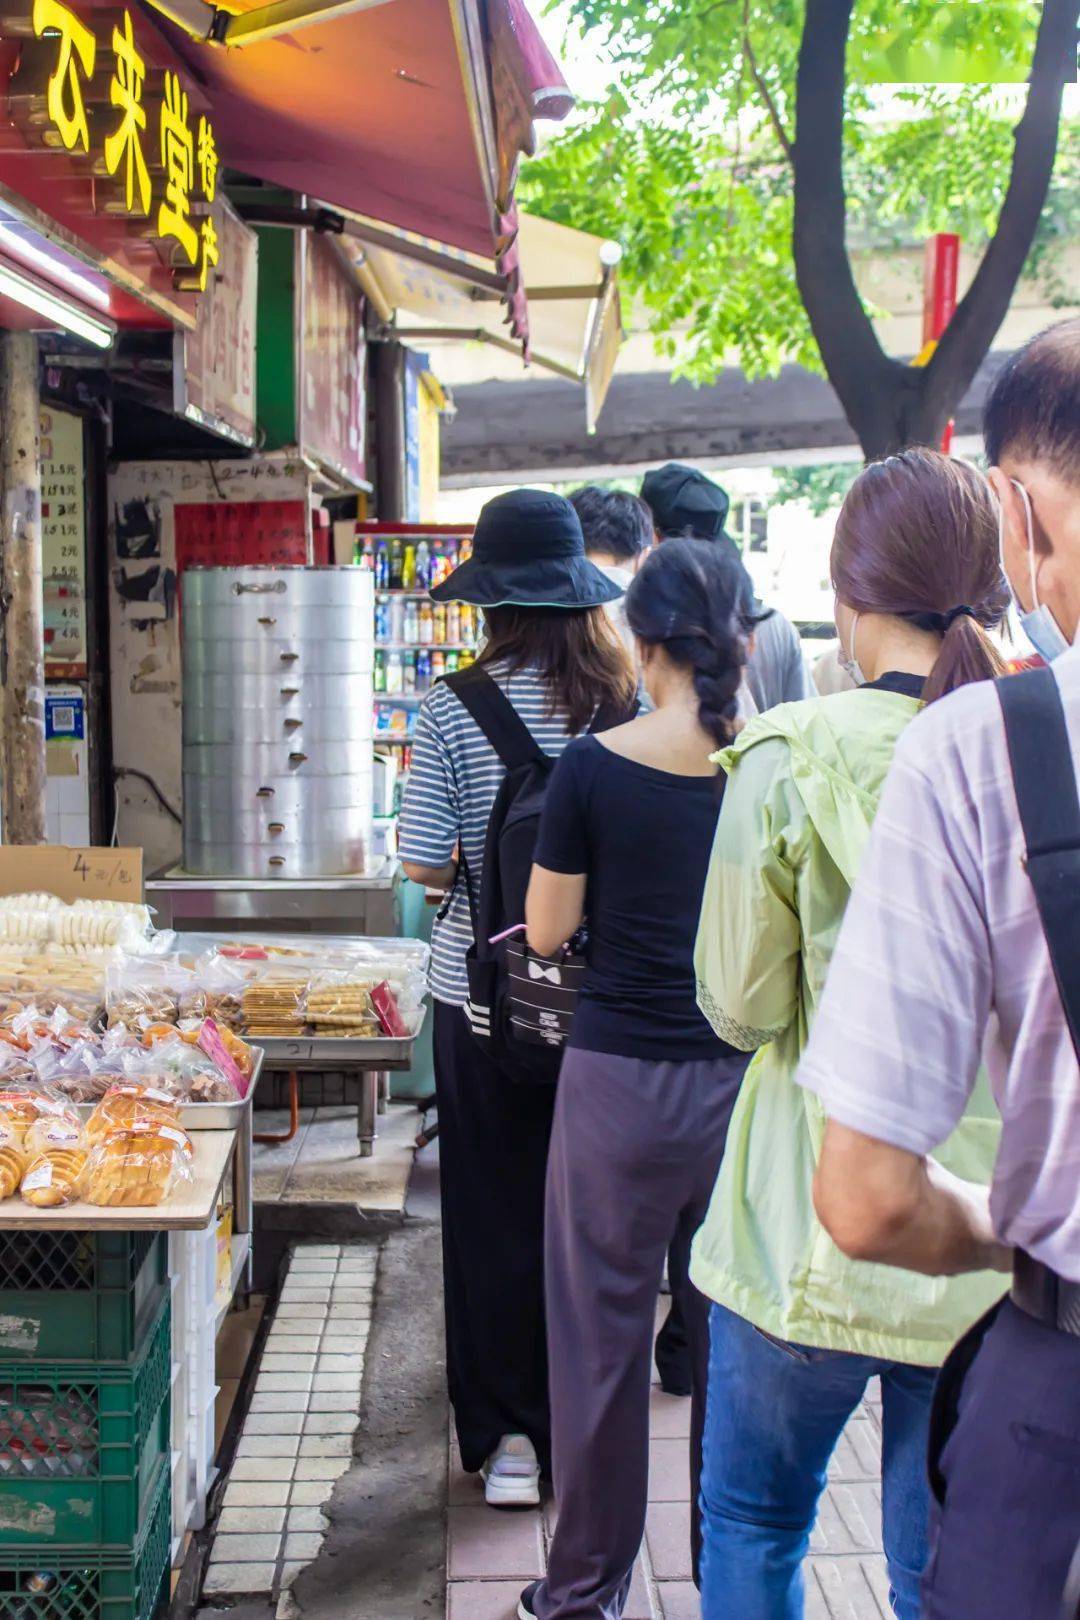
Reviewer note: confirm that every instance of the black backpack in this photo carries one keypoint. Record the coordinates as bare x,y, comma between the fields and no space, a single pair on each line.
509,844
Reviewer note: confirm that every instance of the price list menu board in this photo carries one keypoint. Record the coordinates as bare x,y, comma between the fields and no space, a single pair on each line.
63,543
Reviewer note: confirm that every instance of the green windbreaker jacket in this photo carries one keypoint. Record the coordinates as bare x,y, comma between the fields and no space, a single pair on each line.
804,784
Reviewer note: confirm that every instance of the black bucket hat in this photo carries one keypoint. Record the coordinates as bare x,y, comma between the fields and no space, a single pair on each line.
528,551
683,501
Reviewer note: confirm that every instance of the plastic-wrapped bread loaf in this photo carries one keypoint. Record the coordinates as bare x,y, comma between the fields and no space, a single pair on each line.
138,1167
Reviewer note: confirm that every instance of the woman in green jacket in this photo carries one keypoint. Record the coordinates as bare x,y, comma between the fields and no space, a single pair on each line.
797,1329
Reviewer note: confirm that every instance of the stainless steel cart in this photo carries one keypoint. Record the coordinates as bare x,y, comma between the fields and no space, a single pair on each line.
368,904
370,1060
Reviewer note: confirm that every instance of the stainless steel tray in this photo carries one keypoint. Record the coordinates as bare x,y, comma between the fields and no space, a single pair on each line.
338,1051
223,1116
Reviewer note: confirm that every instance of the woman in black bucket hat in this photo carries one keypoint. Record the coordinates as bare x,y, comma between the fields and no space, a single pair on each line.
551,653
528,551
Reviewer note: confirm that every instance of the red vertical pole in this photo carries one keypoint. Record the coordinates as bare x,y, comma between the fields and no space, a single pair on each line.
940,267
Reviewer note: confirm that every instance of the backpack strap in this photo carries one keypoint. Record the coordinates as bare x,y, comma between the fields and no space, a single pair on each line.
496,716
1048,800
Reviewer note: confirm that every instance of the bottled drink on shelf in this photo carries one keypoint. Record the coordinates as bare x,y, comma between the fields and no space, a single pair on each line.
396,629
382,619
453,623
393,673
438,665
451,662
382,566
408,569
397,558
427,624
464,550
408,672
365,553
411,623
423,566
423,671
438,627
465,659
380,672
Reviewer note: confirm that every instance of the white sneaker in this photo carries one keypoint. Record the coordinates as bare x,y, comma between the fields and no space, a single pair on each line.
511,1474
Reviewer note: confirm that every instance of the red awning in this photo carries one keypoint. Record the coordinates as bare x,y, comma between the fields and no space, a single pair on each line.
414,112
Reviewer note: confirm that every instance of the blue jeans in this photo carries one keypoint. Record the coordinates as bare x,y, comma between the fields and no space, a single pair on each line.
775,1413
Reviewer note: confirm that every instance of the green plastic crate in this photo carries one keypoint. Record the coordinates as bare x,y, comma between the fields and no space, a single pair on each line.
80,1296
81,1447
85,1583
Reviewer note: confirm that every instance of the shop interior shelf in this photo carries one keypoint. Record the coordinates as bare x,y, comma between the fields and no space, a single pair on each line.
80,1583
90,1295
82,1447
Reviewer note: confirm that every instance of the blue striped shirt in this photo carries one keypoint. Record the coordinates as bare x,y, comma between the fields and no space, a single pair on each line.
453,781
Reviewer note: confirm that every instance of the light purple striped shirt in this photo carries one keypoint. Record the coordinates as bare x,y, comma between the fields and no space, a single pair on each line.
942,961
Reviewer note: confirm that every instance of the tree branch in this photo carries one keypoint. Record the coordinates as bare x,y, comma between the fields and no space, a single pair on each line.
765,93
978,317
853,357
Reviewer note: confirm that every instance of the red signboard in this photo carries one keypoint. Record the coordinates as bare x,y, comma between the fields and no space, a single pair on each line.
940,269
332,408
229,534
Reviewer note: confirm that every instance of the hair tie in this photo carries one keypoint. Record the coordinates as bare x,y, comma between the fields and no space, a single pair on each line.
955,613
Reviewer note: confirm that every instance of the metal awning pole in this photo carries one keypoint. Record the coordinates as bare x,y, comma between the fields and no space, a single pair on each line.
22,628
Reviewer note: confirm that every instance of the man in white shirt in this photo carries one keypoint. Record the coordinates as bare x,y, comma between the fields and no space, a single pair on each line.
942,964
618,537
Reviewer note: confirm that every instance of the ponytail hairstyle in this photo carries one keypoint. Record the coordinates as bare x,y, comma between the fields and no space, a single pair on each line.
917,538
685,597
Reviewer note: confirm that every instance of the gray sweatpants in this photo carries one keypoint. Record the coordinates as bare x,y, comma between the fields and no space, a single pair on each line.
634,1155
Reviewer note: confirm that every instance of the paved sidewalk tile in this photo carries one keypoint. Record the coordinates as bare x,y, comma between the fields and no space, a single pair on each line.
482,1543
298,1432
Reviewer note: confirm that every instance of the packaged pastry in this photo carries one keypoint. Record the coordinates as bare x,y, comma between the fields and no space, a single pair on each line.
179,1065
24,1101
340,1004
53,1179
51,1131
131,1103
12,1166
143,991
139,1167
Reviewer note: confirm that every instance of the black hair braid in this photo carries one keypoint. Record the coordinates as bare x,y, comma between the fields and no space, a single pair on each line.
686,598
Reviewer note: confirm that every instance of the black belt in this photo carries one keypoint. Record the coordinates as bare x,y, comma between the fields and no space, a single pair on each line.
1041,1293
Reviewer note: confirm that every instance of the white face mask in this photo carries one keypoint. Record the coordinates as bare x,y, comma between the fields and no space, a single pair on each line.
850,664
1038,623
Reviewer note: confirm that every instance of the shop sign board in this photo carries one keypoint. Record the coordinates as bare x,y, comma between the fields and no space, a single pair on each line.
63,544
71,873
116,148
332,362
214,374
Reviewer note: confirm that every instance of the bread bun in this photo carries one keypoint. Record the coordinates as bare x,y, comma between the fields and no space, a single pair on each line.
12,1165
53,1179
127,1105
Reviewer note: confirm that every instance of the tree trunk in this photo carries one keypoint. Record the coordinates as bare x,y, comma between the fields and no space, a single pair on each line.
889,404
22,633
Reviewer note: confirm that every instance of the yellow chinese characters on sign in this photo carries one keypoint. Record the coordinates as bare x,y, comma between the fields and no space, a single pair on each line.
118,137
124,145
76,50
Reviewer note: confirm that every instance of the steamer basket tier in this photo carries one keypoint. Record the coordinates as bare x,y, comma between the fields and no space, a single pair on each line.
277,721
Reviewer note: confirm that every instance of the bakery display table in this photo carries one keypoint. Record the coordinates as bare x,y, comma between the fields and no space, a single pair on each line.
191,1207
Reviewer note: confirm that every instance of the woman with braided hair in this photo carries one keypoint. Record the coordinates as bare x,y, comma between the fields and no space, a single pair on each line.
798,1329
646,1087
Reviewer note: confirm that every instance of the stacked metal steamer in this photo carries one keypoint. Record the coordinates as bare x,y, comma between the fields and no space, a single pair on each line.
277,669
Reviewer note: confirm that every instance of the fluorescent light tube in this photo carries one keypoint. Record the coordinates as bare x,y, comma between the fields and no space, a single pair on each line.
33,258
57,310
